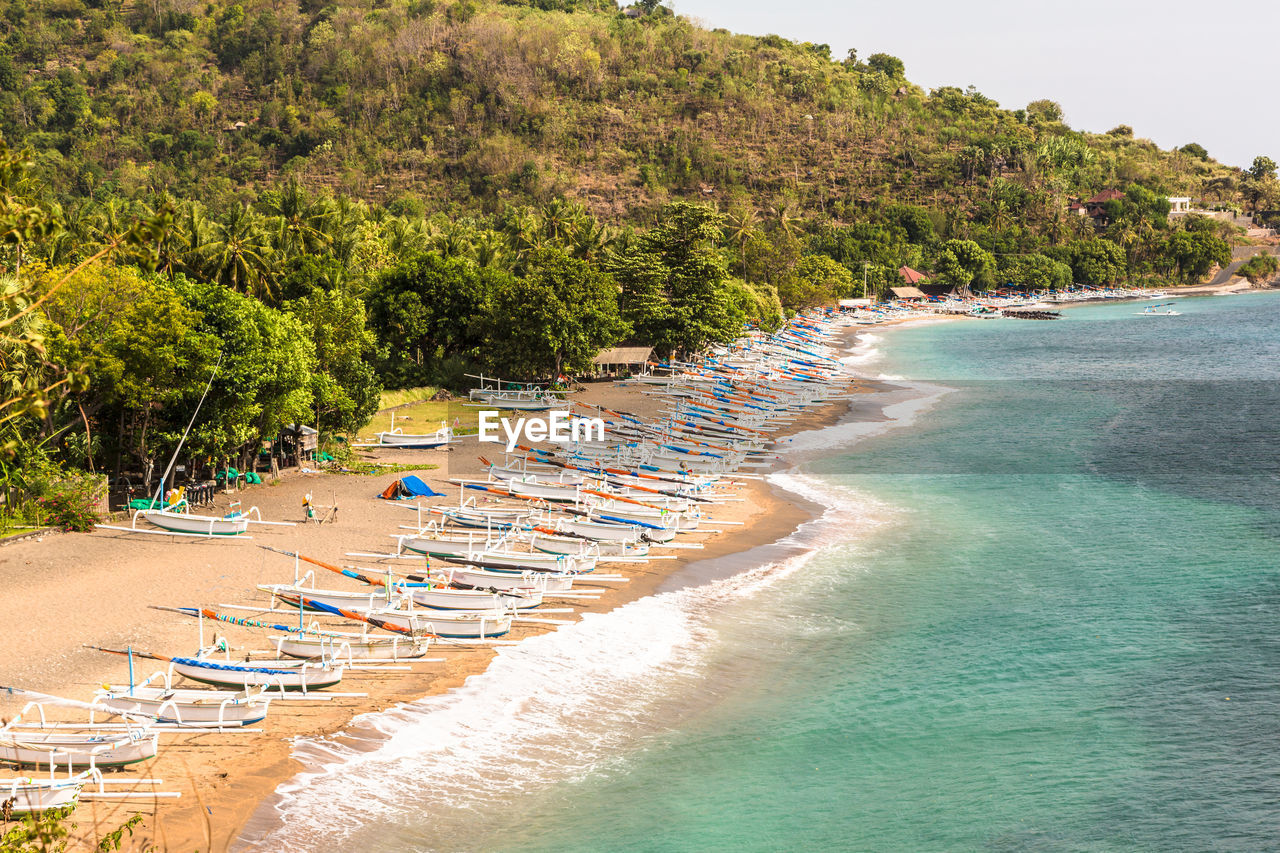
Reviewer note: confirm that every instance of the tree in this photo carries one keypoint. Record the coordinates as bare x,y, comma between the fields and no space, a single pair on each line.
816,280
345,392
962,262
236,256
1263,168
1195,253
1094,261
890,66
1040,272
554,318
1045,110
1260,269
140,347
429,308
674,282
264,380
1196,150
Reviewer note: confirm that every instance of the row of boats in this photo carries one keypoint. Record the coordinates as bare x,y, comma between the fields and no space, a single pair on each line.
540,528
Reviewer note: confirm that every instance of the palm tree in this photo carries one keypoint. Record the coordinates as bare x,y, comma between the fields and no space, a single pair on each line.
491,250
404,236
560,218
784,217
342,226
740,225
525,231
237,254
591,239
454,241
301,227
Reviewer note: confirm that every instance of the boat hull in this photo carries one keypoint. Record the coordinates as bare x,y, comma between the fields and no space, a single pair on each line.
104,751
187,707
206,525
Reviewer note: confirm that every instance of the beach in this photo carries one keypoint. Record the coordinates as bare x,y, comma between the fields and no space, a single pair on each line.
75,590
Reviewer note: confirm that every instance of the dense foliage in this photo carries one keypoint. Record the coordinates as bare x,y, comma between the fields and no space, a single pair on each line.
295,205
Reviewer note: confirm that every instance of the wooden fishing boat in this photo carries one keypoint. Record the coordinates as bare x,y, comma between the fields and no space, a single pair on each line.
27,795
232,524
456,624
475,578
72,750
275,674
355,647
292,675
398,438
186,706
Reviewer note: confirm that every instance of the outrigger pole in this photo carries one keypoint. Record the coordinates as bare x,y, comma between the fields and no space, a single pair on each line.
190,424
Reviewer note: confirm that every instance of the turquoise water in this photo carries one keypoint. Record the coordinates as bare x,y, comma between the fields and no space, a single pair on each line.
1036,651
1041,616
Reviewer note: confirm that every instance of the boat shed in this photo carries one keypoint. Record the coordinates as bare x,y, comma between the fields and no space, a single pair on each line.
623,357
299,443
908,294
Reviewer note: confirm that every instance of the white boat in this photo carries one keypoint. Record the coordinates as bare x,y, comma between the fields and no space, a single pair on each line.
72,746
27,795
73,750
357,647
543,582
577,546
186,706
456,624
444,597
397,437
232,524
303,675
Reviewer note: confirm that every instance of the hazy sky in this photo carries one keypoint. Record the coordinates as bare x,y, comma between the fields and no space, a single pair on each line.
1177,72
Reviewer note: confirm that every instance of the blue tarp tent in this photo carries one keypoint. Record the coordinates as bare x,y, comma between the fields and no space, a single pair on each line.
409,487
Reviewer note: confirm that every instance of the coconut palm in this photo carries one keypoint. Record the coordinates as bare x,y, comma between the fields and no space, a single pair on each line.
404,236
591,240
491,250
237,253
342,226
740,225
301,220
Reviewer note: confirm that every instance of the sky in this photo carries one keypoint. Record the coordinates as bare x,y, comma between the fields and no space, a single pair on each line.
1173,71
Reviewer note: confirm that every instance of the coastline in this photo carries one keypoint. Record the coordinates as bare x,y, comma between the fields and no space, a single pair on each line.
226,778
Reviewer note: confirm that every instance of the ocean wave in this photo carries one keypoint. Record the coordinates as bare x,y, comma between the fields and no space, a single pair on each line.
552,709
557,706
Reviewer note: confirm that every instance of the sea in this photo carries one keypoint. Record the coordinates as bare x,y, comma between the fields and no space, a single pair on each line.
1037,609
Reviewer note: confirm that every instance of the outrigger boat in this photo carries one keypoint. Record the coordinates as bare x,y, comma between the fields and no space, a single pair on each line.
30,795
293,675
1150,311
310,642
44,745
186,707
397,438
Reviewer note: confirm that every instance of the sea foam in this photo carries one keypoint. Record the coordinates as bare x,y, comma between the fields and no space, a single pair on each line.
557,706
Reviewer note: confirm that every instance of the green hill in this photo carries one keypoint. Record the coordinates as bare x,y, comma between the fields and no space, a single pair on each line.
469,106
337,197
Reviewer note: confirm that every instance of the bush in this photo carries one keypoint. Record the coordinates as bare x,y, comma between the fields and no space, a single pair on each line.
70,504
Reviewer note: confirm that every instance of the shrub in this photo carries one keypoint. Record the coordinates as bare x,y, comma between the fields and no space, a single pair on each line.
70,504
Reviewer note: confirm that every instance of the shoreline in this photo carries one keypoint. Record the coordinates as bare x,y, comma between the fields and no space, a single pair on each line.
228,779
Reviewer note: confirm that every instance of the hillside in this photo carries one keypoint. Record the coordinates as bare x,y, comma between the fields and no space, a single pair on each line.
468,106
312,202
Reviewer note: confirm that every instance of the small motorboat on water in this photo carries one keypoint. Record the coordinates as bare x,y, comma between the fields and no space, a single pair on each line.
1162,310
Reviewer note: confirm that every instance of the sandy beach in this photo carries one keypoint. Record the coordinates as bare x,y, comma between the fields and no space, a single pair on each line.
66,591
